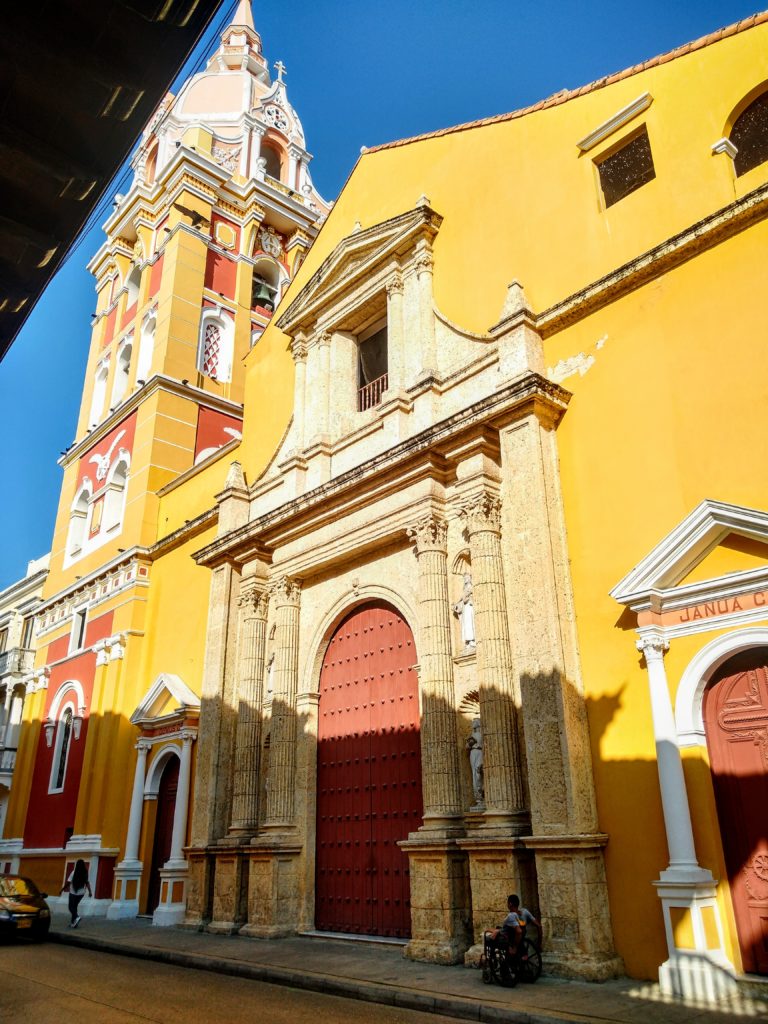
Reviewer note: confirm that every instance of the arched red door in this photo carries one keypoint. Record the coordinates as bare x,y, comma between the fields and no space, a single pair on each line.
161,847
736,716
368,775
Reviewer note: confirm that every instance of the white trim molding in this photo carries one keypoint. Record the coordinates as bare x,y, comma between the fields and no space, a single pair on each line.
618,120
689,718
724,146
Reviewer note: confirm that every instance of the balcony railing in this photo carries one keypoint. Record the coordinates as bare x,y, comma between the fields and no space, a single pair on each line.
7,759
370,395
16,659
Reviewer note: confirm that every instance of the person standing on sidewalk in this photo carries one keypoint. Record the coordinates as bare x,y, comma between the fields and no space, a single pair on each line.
77,885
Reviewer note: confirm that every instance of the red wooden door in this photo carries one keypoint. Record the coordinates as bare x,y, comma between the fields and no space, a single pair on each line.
736,715
161,848
368,775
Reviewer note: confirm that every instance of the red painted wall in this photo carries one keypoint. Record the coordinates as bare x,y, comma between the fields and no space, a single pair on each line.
210,429
220,274
109,330
156,276
87,468
49,815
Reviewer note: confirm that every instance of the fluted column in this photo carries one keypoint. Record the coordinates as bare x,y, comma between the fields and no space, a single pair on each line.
299,353
425,265
395,334
439,742
282,747
253,604
181,807
502,760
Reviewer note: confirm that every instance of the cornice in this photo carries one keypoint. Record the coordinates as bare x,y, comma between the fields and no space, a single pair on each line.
671,253
514,399
83,583
159,382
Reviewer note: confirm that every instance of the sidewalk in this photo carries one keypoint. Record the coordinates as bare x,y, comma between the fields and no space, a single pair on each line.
378,973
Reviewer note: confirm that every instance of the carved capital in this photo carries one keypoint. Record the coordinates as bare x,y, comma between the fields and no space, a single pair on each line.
143,746
424,262
395,285
653,646
285,591
429,534
324,338
482,512
299,348
253,601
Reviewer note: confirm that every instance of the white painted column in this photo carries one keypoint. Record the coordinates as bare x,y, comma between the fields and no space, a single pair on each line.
137,804
293,161
5,709
257,134
674,795
13,723
182,802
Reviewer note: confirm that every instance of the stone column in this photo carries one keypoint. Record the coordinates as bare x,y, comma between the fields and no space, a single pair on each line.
570,868
299,353
499,699
286,594
395,333
253,603
128,871
425,265
440,896
439,741
688,892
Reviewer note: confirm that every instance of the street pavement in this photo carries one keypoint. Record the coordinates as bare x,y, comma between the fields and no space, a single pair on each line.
378,973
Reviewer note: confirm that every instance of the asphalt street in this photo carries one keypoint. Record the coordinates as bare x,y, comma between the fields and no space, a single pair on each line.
49,984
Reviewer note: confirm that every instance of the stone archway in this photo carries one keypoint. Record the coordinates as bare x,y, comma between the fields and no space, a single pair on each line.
736,724
369,793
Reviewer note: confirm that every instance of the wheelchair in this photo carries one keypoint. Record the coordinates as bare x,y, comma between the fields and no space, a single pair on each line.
505,968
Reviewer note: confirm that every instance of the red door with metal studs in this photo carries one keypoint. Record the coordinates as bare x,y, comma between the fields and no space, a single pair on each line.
368,775
736,717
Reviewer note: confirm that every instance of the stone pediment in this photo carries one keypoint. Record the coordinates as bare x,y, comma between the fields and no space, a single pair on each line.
168,695
728,540
354,259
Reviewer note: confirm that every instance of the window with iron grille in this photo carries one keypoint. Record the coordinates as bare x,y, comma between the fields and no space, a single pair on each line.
750,136
627,169
211,351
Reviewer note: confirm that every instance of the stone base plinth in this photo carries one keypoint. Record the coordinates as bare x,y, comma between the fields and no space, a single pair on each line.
126,890
199,888
573,899
273,888
498,866
172,908
440,899
230,891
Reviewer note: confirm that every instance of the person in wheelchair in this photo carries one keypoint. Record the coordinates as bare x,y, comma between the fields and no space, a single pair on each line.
514,927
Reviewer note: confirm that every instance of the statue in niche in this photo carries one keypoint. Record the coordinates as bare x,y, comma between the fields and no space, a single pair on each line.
464,610
475,748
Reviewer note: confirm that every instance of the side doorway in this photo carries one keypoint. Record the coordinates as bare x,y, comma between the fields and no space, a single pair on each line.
161,846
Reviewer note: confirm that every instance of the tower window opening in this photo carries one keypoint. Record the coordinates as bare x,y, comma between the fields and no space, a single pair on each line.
628,169
750,136
211,351
372,375
273,163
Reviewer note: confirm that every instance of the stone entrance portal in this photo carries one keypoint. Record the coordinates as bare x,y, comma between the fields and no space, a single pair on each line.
368,774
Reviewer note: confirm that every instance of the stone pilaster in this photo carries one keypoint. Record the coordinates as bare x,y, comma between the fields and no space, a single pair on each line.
282,748
499,699
253,604
440,896
573,894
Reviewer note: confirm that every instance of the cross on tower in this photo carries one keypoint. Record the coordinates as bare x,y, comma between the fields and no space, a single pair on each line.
280,69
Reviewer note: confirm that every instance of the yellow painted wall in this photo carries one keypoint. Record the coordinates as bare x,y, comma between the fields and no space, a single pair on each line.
646,436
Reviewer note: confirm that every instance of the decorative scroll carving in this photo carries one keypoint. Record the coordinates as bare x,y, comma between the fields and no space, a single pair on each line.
429,533
285,591
482,512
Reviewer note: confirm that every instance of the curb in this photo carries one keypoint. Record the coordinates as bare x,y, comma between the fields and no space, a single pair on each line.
348,988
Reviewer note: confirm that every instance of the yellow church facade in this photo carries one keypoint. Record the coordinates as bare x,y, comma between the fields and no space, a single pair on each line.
449,578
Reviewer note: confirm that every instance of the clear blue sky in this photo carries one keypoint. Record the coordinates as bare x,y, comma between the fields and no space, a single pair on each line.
358,74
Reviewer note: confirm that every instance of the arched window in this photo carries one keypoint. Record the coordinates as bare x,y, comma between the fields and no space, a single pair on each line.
99,393
750,135
78,521
273,162
61,749
114,499
150,165
146,349
122,370
215,350
133,282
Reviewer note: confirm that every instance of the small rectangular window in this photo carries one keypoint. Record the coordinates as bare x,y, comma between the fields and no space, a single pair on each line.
372,377
627,169
26,633
77,638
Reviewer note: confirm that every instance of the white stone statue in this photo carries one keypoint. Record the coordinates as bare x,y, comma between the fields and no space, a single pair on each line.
475,748
464,610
